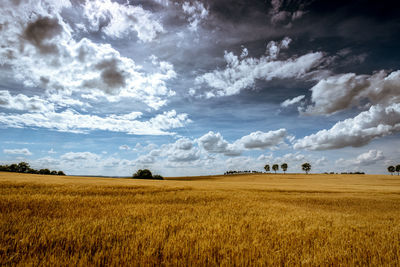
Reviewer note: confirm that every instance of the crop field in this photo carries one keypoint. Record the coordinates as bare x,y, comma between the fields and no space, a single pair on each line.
255,219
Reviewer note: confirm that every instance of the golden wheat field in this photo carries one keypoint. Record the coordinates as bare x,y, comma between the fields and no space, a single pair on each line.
243,220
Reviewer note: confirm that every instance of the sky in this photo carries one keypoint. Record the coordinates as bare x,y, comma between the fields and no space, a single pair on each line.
103,87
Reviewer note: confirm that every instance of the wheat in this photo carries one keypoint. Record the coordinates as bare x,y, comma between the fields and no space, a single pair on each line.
228,221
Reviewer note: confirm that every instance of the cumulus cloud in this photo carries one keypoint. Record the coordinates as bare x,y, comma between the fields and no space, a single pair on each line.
183,150
262,140
215,143
80,68
370,157
379,93
376,122
364,159
289,102
24,103
22,151
72,121
196,12
348,90
241,73
119,20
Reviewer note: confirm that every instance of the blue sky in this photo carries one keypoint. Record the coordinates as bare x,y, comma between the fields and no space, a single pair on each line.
107,87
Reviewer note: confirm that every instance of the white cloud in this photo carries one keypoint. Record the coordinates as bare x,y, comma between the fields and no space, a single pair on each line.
242,73
289,102
124,147
22,151
370,157
348,90
376,122
262,140
86,163
51,151
119,20
71,121
180,153
365,159
79,156
24,103
196,12
183,150
145,159
40,48
215,143
378,92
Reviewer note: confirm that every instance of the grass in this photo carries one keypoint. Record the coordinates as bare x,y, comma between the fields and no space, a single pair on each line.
214,220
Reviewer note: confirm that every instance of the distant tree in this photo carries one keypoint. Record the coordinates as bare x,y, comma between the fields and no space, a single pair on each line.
44,171
33,171
13,167
398,169
60,173
275,167
391,169
284,167
158,177
23,167
306,167
4,168
266,168
53,172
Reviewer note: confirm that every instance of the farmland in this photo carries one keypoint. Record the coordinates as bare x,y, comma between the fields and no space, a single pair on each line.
254,219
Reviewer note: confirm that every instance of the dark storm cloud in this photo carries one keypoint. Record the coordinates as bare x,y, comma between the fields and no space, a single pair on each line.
41,31
111,75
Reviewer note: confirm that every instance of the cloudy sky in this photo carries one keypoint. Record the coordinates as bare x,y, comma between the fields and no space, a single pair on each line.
104,87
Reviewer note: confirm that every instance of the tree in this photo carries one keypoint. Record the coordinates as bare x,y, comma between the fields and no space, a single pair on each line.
306,167
398,169
391,169
13,167
143,174
146,174
60,173
23,167
284,167
158,177
266,168
44,171
275,167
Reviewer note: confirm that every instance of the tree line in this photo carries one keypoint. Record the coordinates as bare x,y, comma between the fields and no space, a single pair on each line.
284,166
240,172
391,169
23,167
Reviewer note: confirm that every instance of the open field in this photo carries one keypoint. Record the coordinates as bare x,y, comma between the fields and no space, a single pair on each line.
291,219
